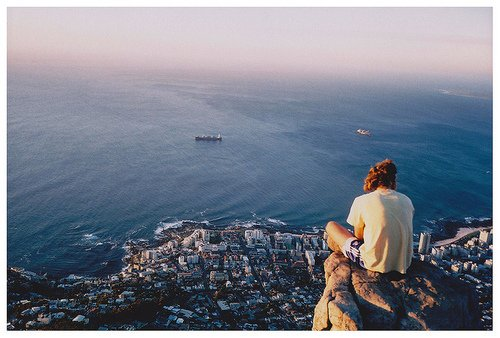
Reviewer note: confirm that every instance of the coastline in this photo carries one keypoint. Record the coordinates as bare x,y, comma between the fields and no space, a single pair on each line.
258,269
445,231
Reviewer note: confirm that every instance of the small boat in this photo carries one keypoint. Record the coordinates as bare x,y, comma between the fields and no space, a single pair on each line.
363,132
208,138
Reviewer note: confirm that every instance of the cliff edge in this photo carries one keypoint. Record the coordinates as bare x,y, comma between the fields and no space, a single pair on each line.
425,298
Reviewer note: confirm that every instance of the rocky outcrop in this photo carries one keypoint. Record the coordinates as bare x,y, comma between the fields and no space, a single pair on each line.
422,299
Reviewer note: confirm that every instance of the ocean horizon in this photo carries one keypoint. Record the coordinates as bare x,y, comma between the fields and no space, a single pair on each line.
95,160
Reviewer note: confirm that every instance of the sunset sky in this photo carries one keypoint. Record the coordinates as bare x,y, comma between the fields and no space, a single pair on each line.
374,41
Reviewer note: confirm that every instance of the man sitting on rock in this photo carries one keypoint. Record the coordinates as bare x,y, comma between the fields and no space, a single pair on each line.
383,224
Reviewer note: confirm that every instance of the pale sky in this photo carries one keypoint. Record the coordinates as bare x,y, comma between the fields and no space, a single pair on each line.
438,41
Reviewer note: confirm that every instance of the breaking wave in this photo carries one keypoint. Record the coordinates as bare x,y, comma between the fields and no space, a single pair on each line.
91,241
276,221
470,220
163,225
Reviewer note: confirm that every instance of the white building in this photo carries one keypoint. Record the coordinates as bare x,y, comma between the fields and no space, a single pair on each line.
205,235
149,255
287,240
188,241
310,258
314,242
248,234
474,268
218,276
424,258
485,237
255,234
437,252
172,244
424,243
454,250
457,267
324,245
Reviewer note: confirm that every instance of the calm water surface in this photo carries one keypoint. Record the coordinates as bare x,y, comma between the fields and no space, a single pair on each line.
94,160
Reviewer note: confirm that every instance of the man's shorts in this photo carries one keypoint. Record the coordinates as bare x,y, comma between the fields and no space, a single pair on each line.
351,250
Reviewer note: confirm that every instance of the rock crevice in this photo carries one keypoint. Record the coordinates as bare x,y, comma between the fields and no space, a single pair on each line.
425,298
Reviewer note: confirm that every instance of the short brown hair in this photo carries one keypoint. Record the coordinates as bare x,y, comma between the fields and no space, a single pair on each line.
382,174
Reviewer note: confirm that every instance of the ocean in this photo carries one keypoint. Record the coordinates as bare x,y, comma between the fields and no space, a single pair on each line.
96,159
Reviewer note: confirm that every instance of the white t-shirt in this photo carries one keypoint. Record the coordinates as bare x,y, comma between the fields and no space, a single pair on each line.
387,218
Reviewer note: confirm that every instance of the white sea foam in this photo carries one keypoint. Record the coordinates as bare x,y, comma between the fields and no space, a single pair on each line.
246,224
91,241
469,220
276,221
89,236
88,240
213,220
132,232
257,222
162,226
130,243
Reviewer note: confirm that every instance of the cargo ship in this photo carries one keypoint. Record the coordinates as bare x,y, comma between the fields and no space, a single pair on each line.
208,138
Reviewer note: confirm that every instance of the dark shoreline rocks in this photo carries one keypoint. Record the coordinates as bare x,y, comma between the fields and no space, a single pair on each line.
422,299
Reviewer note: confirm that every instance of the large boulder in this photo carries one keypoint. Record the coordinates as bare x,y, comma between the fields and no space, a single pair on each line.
424,298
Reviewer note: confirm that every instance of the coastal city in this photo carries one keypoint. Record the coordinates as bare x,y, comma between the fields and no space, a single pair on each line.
200,278
469,258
